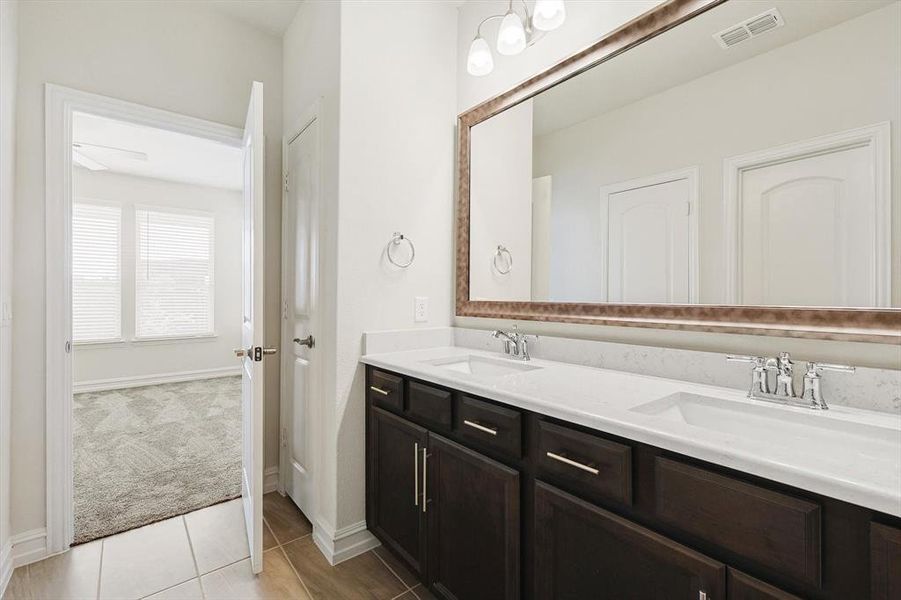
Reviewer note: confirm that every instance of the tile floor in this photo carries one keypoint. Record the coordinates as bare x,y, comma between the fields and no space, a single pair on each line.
203,555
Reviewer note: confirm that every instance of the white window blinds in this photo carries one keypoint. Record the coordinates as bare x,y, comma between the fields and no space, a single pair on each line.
173,273
96,273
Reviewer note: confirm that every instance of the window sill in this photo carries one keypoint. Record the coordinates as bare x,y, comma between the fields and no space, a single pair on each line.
99,343
153,341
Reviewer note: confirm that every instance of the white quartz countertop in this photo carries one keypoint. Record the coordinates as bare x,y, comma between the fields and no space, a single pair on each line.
854,469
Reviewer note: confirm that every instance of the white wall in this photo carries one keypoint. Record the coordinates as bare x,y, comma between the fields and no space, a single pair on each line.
586,22
8,68
98,362
807,95
501,205
396,174
178,56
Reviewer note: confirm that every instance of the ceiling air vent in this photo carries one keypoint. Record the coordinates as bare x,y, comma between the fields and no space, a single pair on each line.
749,28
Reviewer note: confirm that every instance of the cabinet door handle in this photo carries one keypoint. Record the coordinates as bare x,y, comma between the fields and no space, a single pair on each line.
379,390
425,497
415,473
573,463
474,425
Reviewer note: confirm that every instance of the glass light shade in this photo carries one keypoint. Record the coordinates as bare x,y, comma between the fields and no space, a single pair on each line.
549,14
480,62
511,37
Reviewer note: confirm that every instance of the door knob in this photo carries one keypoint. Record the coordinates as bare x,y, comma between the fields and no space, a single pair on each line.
308,341
267,351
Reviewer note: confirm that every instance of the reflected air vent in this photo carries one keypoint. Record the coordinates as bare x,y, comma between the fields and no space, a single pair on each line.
749,28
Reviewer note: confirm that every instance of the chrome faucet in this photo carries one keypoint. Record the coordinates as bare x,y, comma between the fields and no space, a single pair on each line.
516,345
811,396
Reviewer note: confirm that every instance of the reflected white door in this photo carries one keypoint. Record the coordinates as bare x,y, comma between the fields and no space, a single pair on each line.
253,262
300,256
807,231
651,249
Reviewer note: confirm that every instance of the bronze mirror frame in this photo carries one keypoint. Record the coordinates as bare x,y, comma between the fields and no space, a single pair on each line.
880,325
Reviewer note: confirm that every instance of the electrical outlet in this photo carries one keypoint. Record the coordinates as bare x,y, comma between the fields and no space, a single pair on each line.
421,309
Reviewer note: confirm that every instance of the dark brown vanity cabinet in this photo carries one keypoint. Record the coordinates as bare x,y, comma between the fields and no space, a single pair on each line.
394,488
582,551
473,524
483,500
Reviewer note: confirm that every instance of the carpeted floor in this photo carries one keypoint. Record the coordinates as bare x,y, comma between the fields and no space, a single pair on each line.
149,453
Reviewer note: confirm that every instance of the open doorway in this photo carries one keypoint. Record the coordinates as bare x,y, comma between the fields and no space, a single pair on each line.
157,293
156,311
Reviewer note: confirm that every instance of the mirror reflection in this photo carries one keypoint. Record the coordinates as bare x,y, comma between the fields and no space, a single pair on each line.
744,157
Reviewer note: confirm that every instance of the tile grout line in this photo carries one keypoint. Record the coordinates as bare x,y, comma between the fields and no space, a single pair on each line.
390,570
296,574
184,522
100,569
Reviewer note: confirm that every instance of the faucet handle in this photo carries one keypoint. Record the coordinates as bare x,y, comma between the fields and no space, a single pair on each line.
815,367
758,361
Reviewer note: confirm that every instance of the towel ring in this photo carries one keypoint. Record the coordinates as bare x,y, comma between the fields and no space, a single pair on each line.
499,253
396,240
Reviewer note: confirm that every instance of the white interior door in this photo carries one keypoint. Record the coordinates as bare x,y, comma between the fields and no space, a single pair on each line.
651,241
252,351
300,255
807,231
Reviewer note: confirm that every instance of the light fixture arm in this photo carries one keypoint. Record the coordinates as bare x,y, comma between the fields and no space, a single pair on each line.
531,36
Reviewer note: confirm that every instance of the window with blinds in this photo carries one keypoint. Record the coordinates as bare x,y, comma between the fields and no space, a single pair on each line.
96,273
173,273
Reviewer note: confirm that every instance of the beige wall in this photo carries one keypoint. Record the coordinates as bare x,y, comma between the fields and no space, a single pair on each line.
807,95
8,65
98,362
586,22
178,56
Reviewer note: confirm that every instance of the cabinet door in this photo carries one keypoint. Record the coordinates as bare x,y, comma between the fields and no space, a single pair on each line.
582,551
394,487
473,508
885,562
742,586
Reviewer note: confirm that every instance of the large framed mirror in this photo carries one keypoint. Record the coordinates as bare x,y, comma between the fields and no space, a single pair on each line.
714,165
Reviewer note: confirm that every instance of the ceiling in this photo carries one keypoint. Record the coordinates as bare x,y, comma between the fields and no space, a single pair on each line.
683,54
170,156
272,16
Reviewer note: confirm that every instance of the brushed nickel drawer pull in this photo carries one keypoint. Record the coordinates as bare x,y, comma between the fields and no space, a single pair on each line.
573,463
425,478
416,474
379,390
482,428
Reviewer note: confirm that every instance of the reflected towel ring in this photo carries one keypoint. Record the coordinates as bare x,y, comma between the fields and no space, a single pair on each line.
396,240
501,250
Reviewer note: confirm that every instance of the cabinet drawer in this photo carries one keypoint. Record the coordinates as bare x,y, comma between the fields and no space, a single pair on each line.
591,464
429,403
778,531
583,552
489,425
740,586
386,390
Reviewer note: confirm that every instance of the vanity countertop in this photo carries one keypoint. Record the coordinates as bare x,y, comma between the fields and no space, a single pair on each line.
603,400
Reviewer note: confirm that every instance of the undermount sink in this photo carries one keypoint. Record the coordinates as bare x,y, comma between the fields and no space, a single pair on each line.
482,365
809,433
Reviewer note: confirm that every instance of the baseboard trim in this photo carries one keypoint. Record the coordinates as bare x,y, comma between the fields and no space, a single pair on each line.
270,480
118,383
344,543
6,566
28,547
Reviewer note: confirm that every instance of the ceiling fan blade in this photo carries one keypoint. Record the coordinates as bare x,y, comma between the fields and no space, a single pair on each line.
132,154
86,162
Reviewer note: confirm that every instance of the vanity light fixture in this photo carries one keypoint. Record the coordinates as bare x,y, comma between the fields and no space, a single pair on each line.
515,34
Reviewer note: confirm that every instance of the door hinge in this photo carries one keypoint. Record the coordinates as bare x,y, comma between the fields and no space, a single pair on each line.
687,208
286,182
284,437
